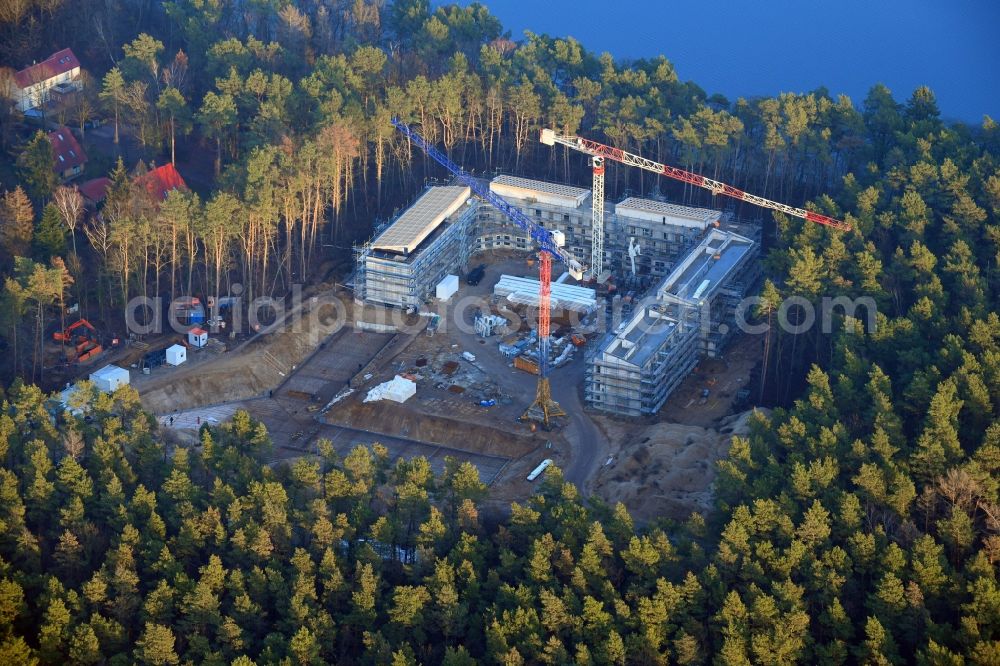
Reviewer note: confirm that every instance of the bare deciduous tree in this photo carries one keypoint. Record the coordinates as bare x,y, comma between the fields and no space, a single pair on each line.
69,201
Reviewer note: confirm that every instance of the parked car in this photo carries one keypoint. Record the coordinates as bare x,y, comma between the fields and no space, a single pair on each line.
476,274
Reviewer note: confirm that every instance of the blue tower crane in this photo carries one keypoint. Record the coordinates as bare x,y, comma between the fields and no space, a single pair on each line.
544,408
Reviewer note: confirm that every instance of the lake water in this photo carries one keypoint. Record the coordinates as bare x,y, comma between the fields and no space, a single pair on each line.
763,47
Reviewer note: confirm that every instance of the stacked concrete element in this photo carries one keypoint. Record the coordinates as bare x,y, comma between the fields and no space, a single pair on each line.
691,314
405,262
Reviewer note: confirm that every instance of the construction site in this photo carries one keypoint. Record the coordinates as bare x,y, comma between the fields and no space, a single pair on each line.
504,322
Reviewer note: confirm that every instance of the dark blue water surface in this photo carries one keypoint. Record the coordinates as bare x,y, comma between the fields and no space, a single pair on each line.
764,47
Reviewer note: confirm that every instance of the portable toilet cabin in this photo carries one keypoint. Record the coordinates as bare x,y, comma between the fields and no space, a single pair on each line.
176,354
109,378
198,337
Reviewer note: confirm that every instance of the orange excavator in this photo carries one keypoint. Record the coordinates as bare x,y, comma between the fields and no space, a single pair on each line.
83,337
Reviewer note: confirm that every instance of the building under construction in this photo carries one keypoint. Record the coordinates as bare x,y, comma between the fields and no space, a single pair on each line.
699,269
657,233
662,231
404,262
554,206
437,234
690,314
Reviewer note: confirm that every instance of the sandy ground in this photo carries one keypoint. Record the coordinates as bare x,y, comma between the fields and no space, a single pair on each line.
724,377
665,469
251,369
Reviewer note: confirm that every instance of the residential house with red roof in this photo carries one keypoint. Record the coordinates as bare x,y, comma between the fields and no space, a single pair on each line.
159,182
68,157
60,72
94,191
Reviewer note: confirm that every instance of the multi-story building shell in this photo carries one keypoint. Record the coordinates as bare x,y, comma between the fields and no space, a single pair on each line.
701,271
402,265
690,314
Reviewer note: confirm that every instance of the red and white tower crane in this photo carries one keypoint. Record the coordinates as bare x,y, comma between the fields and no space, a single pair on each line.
599,152
550,245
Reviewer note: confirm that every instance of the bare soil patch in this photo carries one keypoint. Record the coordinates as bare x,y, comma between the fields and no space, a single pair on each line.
402,420
722,377
248,371
665,469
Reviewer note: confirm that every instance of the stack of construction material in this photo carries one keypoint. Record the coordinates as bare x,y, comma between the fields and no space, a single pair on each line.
524,291
398,389
488,325
510,350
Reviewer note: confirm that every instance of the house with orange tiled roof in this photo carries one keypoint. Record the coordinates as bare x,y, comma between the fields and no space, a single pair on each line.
68,157
60,72
159,182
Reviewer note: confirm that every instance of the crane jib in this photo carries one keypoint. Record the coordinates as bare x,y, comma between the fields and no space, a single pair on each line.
617,154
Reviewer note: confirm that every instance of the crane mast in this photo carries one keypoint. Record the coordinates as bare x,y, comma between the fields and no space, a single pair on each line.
597,224
544,408
595,149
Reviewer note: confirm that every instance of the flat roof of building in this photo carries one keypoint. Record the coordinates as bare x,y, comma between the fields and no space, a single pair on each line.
651,209
644,334
540,190
701,272
420,220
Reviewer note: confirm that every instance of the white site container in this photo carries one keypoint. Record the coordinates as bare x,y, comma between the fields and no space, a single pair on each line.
198,337
447,287
176,354
109,378
469,356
